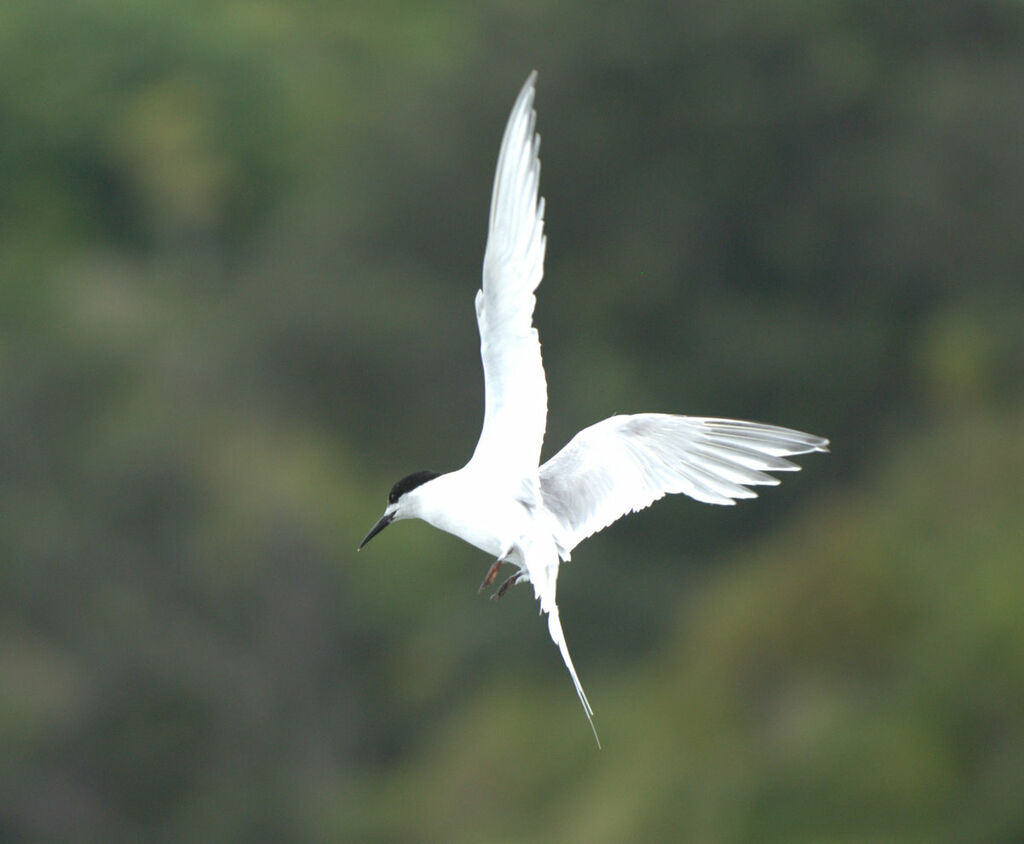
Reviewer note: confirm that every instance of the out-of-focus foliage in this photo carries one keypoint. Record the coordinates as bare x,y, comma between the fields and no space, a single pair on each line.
238,247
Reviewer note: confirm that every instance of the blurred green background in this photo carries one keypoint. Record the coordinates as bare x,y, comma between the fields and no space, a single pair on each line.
239,243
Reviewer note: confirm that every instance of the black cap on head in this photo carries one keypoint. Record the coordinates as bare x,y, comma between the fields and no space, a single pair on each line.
409,482
397,491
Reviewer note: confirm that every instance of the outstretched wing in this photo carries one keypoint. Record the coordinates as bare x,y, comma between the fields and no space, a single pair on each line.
626,463
516,398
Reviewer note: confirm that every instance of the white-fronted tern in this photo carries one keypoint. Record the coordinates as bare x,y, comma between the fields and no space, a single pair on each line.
530,515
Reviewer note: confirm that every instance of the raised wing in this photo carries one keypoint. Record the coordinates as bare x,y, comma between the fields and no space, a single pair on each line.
516,398
626,463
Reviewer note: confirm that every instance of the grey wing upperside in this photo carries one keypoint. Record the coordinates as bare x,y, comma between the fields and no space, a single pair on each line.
626,463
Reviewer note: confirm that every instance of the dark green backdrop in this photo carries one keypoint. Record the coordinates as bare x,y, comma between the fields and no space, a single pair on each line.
239,243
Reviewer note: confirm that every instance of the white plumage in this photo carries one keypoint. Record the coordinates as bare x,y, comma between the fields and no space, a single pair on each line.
515,389
533,516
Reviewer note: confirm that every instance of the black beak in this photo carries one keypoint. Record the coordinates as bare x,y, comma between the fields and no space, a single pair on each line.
382,523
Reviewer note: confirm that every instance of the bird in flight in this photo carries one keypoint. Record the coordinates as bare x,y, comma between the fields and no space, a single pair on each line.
532,515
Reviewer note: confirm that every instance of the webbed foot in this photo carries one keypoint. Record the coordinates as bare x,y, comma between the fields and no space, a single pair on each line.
492,573
504,586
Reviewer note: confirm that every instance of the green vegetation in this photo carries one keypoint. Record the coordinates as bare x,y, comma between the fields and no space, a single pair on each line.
238,247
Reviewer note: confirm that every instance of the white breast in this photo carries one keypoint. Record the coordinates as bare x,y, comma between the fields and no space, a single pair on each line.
465,505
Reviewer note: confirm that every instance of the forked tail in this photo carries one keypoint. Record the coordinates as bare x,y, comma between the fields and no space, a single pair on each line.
558,637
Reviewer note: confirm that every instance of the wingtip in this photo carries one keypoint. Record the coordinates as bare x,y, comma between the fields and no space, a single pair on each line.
529,86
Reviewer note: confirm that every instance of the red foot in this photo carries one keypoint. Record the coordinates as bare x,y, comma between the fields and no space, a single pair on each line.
492,573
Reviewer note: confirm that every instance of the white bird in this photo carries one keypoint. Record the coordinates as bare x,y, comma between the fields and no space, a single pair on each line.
507,504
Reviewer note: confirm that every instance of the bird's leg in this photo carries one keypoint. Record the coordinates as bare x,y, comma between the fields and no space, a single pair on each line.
504,586
492,573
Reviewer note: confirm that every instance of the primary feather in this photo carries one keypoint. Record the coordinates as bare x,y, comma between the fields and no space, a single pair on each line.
515,389
626,463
